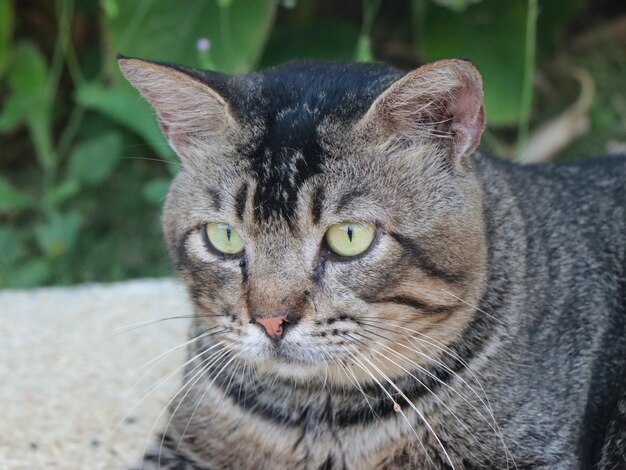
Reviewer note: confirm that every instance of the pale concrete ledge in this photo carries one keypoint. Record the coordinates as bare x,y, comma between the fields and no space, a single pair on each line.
69,367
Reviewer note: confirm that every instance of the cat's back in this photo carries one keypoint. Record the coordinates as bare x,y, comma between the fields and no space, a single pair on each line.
573,204
566,224
572,224
592,188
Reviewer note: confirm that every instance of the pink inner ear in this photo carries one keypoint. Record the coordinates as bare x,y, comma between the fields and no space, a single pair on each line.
468,119
441,101
478,124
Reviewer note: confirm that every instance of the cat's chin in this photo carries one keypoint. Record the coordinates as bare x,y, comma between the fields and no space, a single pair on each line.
285,356
286,361
297,349
290,368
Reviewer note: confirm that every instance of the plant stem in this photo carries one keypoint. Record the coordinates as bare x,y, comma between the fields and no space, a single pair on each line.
370,9
225,33
76,116
529,72
73,66
418,21
70,130
64,13
42,132
363,49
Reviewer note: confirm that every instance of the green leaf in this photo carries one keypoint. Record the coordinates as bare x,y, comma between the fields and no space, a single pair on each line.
40,128
163,30
27,78
290,4
491,34
552,21
60,193
11,199
92,161
324,40
15,111
155,191
173,169
111,8
6,31
29,71
456,5
31,273
58,234
11,245
125,107
364,50
31,101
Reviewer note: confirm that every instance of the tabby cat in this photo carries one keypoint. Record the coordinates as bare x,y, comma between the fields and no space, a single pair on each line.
372,292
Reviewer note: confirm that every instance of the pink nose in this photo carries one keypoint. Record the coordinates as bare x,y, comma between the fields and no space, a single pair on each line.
273,325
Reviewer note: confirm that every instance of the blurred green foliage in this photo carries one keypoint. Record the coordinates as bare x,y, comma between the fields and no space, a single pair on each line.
84,166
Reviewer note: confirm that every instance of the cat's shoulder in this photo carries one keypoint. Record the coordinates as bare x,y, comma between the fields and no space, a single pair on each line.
589,192
590,173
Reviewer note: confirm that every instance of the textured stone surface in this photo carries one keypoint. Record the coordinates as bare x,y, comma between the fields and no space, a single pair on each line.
73,392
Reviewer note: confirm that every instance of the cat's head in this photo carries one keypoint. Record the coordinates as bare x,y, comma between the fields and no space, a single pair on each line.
326,213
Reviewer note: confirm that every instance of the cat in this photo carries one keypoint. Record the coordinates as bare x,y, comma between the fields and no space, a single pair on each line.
372,291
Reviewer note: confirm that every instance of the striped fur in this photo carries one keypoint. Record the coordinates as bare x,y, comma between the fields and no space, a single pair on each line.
443,346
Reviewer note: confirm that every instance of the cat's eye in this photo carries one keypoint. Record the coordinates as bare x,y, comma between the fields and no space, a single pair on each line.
350,239
224,238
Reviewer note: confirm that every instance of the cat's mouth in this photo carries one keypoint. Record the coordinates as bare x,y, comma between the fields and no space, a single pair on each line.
292,352
288,354
296,347
285,357
289,363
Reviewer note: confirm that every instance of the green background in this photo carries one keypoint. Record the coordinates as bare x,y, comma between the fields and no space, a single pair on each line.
84,168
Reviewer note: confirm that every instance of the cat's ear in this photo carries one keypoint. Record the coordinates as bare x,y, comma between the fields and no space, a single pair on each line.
193,115
441,102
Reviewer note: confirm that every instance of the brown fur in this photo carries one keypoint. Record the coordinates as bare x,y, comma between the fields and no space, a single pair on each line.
280,273
383,362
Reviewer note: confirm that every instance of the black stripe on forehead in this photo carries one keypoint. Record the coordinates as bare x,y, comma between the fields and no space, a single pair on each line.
317,203
216,198
293,101
280,172
240,201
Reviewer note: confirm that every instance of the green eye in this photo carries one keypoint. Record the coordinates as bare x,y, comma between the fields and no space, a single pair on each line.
224,238
350,239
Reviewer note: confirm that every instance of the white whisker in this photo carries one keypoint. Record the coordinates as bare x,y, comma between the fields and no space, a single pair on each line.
186,383
411,404
212,360
368,372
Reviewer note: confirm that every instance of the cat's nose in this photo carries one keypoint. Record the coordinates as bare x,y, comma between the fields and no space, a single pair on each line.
274,326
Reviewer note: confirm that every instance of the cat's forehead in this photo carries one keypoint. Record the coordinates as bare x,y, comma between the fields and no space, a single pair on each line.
292,105
309,90
290,102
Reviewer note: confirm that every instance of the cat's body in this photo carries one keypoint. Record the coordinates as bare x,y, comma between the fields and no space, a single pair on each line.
484,327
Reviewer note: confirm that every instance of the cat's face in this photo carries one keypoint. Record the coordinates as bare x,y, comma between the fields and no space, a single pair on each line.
326,219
